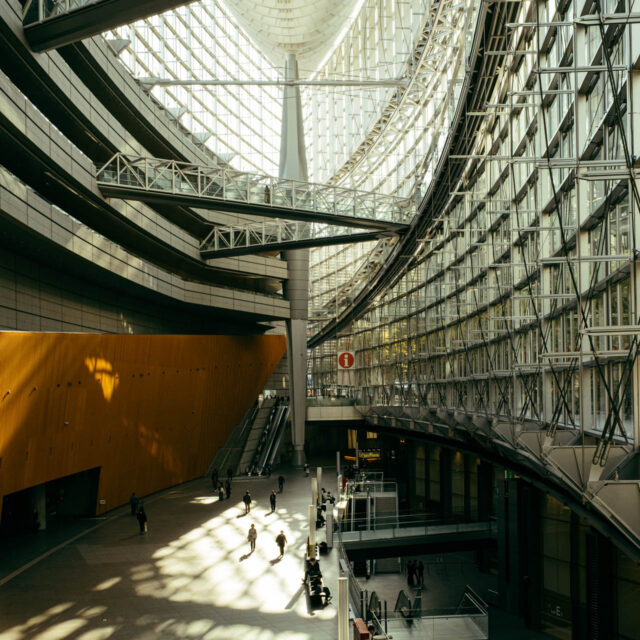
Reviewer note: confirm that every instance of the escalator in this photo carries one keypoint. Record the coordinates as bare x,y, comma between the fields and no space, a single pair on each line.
229,456
261,421
273,436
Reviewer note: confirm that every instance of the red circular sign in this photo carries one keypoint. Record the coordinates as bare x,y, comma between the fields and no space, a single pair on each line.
346,360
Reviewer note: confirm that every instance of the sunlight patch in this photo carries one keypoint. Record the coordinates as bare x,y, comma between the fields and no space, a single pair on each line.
107,584
97,634
61,630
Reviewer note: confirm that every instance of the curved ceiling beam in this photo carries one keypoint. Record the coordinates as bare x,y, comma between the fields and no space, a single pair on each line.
74,20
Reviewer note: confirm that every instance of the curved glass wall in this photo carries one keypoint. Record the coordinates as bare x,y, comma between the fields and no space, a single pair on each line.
523,304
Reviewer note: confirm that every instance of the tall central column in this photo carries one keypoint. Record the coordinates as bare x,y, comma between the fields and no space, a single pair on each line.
293,166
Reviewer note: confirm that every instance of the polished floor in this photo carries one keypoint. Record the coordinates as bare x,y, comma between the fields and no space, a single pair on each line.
190,576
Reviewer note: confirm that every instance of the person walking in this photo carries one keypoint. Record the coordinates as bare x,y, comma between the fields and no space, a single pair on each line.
229,474
214,479
134,501
280,483
411,572
220,493
420,572
227,489
247,502
306,470
272,500
252,536
142,518
281,540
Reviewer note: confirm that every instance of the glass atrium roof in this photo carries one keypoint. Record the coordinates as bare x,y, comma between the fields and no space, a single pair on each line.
384,135
361,40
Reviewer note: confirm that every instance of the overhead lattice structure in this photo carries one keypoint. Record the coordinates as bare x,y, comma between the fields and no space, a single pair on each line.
279,235
405,138
182,183
516,316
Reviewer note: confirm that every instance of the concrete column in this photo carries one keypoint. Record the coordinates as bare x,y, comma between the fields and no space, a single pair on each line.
343,608
446,503
319,476
293,166
467,461
314,491
312,529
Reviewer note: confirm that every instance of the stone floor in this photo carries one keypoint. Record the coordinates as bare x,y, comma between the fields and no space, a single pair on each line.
190,576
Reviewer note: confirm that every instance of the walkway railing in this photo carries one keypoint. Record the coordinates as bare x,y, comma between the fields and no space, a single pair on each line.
355,591
208,183
398,527
269,235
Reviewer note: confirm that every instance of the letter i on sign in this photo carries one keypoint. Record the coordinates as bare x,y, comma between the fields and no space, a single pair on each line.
346,360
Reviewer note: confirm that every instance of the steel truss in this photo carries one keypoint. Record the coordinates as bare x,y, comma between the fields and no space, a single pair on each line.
277,235
220,187
437,61
520,307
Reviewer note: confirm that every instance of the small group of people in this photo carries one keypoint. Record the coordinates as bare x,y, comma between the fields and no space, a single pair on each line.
223,490
137,510
415,573
319,594
325,496
252,536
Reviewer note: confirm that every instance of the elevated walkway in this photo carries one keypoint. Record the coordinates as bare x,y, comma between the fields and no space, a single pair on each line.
48,25
564,459
224,189
279,235
426,533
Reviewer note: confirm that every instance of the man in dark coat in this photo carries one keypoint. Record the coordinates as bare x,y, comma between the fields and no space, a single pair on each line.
247,502
281,540
142,518
272,500
134,501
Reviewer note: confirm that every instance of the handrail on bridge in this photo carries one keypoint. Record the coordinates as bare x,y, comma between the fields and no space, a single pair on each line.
349,206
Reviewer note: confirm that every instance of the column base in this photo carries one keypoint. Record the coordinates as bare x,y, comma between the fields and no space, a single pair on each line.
298,458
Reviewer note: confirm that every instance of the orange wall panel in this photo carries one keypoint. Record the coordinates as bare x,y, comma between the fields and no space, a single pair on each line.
151,411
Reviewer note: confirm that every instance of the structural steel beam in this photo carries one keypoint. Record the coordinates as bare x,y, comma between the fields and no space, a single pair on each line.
49,25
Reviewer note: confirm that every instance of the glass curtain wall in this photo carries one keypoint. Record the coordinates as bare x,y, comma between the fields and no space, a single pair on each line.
524,303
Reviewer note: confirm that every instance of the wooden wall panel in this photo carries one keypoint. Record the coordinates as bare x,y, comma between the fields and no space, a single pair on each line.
151,411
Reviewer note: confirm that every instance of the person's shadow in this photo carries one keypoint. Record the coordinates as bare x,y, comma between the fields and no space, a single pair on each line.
242,515
275,560
245,556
